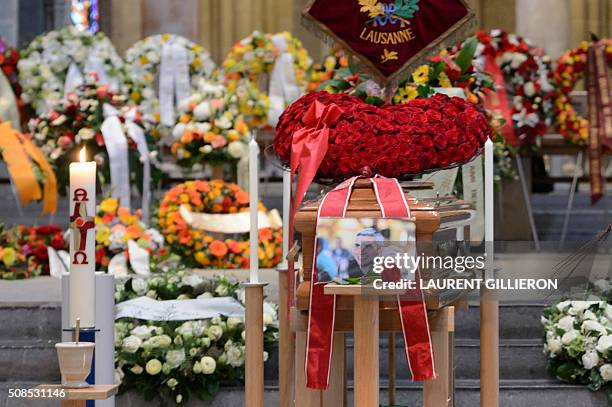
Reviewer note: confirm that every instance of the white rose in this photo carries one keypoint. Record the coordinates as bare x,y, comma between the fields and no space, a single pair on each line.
208,365
203,127
86,134
221,290
172,382
178,131
563,304
594,326
141,331
588,314
153,367
207,149
235,356
175,358
192,280
202,111
237,149
529,89
569,336
140,286
579,307
205,296
214,332
566,323
604,344
606,372
223,123
197,368
608,312
590,359
136,369
233,322
119,375
554,345
131,344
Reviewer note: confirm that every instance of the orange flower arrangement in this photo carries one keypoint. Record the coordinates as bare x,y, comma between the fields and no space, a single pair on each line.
199,248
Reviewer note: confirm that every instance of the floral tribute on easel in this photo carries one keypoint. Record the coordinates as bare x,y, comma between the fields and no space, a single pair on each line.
210,129
570,68
207,224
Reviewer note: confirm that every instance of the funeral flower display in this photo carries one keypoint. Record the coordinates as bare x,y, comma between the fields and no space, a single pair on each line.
143,64
116,227
525,71
76,122
199,248
578,342
9,58
24,250
322,72
569,70
175,361
247,63
391,140
44,64
210,128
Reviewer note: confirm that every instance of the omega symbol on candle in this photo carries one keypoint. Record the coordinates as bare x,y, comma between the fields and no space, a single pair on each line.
80,223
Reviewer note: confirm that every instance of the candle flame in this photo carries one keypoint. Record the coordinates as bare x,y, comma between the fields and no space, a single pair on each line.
82,155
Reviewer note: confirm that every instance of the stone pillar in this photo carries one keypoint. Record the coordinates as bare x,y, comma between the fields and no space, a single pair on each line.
545,23
9,22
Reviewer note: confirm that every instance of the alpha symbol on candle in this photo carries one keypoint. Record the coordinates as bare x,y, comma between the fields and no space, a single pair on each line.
80,223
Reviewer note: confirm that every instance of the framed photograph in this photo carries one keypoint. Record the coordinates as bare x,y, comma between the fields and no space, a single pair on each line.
350,248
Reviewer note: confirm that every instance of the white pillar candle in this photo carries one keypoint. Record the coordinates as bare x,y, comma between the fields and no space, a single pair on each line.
82,242
286,209
489,191
253,208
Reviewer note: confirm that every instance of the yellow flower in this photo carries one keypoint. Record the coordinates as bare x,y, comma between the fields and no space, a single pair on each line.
103,235
444,81
109,205
9,256
421,75
135,96
165,37
405,95
143,60
196,63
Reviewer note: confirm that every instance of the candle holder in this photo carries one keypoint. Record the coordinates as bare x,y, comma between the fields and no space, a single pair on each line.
75,362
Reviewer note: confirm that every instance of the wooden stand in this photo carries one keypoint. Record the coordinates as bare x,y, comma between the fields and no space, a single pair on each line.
254,362
286,342
489,349
79,397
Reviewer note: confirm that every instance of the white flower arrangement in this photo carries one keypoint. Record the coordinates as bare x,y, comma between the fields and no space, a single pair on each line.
44,64
177,360
578,342
210,128
143,61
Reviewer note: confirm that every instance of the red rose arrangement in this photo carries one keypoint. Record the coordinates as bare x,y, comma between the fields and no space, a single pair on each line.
391,140
8,63
34,242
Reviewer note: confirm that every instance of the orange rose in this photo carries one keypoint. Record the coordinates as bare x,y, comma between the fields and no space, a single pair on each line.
242,198
218,248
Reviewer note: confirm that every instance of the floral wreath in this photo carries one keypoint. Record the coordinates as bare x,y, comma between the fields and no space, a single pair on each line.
199,248
570,69
143,60
44,64
525,70
9,58
321,72
210,128
76,122
252,57
115,228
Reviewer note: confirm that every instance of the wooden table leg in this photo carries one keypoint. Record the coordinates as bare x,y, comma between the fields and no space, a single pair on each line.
391,371
335,396
304,397
366,328
286,344
438,392
489,350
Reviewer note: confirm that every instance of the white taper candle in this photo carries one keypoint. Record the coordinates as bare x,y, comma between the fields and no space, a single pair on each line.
253,208
286,214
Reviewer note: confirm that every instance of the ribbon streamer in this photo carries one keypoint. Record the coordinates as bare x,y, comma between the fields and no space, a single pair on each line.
600,115
117,149
173,81
413,313
497,100
74,79
50,183
283,89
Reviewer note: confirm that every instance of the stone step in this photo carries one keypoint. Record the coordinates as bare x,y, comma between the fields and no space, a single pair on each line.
519,359
41,321
28,360
516,321
513,393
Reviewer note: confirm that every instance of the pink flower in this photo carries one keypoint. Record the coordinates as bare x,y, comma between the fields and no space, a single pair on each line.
218,142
